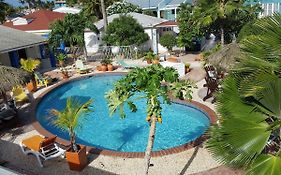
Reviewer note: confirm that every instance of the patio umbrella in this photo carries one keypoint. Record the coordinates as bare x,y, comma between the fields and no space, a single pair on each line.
11,77
225,57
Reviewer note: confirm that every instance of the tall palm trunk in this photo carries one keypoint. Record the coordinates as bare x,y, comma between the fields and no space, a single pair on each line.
150,144
104,15
222,36
222,8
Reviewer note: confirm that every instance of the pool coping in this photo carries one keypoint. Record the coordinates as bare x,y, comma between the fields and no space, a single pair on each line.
37,126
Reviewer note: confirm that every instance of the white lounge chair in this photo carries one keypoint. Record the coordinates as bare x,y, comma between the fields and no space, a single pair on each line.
42,148
81,68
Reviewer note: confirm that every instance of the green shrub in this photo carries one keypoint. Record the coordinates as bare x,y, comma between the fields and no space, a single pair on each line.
168,40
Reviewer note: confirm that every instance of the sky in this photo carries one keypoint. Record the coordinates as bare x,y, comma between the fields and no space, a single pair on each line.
13,2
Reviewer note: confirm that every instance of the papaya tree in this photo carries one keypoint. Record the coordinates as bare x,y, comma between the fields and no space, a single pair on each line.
154,83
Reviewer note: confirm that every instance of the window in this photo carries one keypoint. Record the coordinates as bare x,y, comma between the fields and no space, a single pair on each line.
173,11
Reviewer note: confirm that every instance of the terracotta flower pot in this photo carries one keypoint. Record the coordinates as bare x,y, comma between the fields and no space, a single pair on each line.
155,61
61,63
110,67
99,68
148,61
31,86
77,161
104,68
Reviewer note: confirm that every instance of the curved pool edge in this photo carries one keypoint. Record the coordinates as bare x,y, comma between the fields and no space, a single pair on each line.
37,126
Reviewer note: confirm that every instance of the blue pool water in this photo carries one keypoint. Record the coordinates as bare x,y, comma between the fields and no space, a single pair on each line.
181,123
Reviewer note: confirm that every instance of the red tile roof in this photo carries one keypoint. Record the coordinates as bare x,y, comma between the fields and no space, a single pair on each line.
41,20
167,23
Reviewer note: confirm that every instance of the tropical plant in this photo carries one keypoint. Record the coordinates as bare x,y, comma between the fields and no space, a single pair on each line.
122,7
68,118
124,31
188,24
70,30
150,56
93,7
248,133
225,17
5,10
147,81
29,64
168,40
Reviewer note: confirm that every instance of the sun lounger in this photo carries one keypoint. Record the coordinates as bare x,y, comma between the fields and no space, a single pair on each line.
81,68
42,148
125,65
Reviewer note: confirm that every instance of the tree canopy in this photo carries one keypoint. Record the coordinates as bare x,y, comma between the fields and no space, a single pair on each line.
122,7
124,31
224,18
5,10
70,30
168,40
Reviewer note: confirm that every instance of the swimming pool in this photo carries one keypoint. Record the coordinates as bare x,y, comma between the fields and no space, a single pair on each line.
181,123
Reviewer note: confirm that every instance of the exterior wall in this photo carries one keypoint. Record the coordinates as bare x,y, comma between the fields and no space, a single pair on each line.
5,59
92,42
33,52
269,7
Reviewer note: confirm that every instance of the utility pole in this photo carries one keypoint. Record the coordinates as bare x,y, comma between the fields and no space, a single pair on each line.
104,15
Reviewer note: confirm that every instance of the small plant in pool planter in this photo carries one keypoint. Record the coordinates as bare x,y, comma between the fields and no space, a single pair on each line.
61,58
149,82
104,63
30,65
67,119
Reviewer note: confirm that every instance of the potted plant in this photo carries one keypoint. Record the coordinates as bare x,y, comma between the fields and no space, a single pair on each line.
103,65
64,72
149,57
61,58
155,60
30,65
187,67
67,119
109,65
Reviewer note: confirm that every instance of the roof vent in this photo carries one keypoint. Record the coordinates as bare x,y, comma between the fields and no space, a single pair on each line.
21,21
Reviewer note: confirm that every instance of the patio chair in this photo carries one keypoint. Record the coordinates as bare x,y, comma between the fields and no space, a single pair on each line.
81,68
42,148
19,94
211,72
212,85
41,80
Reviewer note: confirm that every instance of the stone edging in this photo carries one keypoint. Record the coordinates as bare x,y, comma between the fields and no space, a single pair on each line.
189,145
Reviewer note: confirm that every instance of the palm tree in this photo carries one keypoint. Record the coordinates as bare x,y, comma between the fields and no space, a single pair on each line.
104,15
216,13
70,30
68,118
149,82
30,65
248,134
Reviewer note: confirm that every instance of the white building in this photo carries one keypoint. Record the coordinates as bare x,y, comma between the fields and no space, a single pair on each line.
152,26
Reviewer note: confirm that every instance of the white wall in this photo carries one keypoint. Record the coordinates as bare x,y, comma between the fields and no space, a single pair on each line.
5,59
92,42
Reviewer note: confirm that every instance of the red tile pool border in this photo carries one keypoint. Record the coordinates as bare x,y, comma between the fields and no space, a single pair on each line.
211,114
